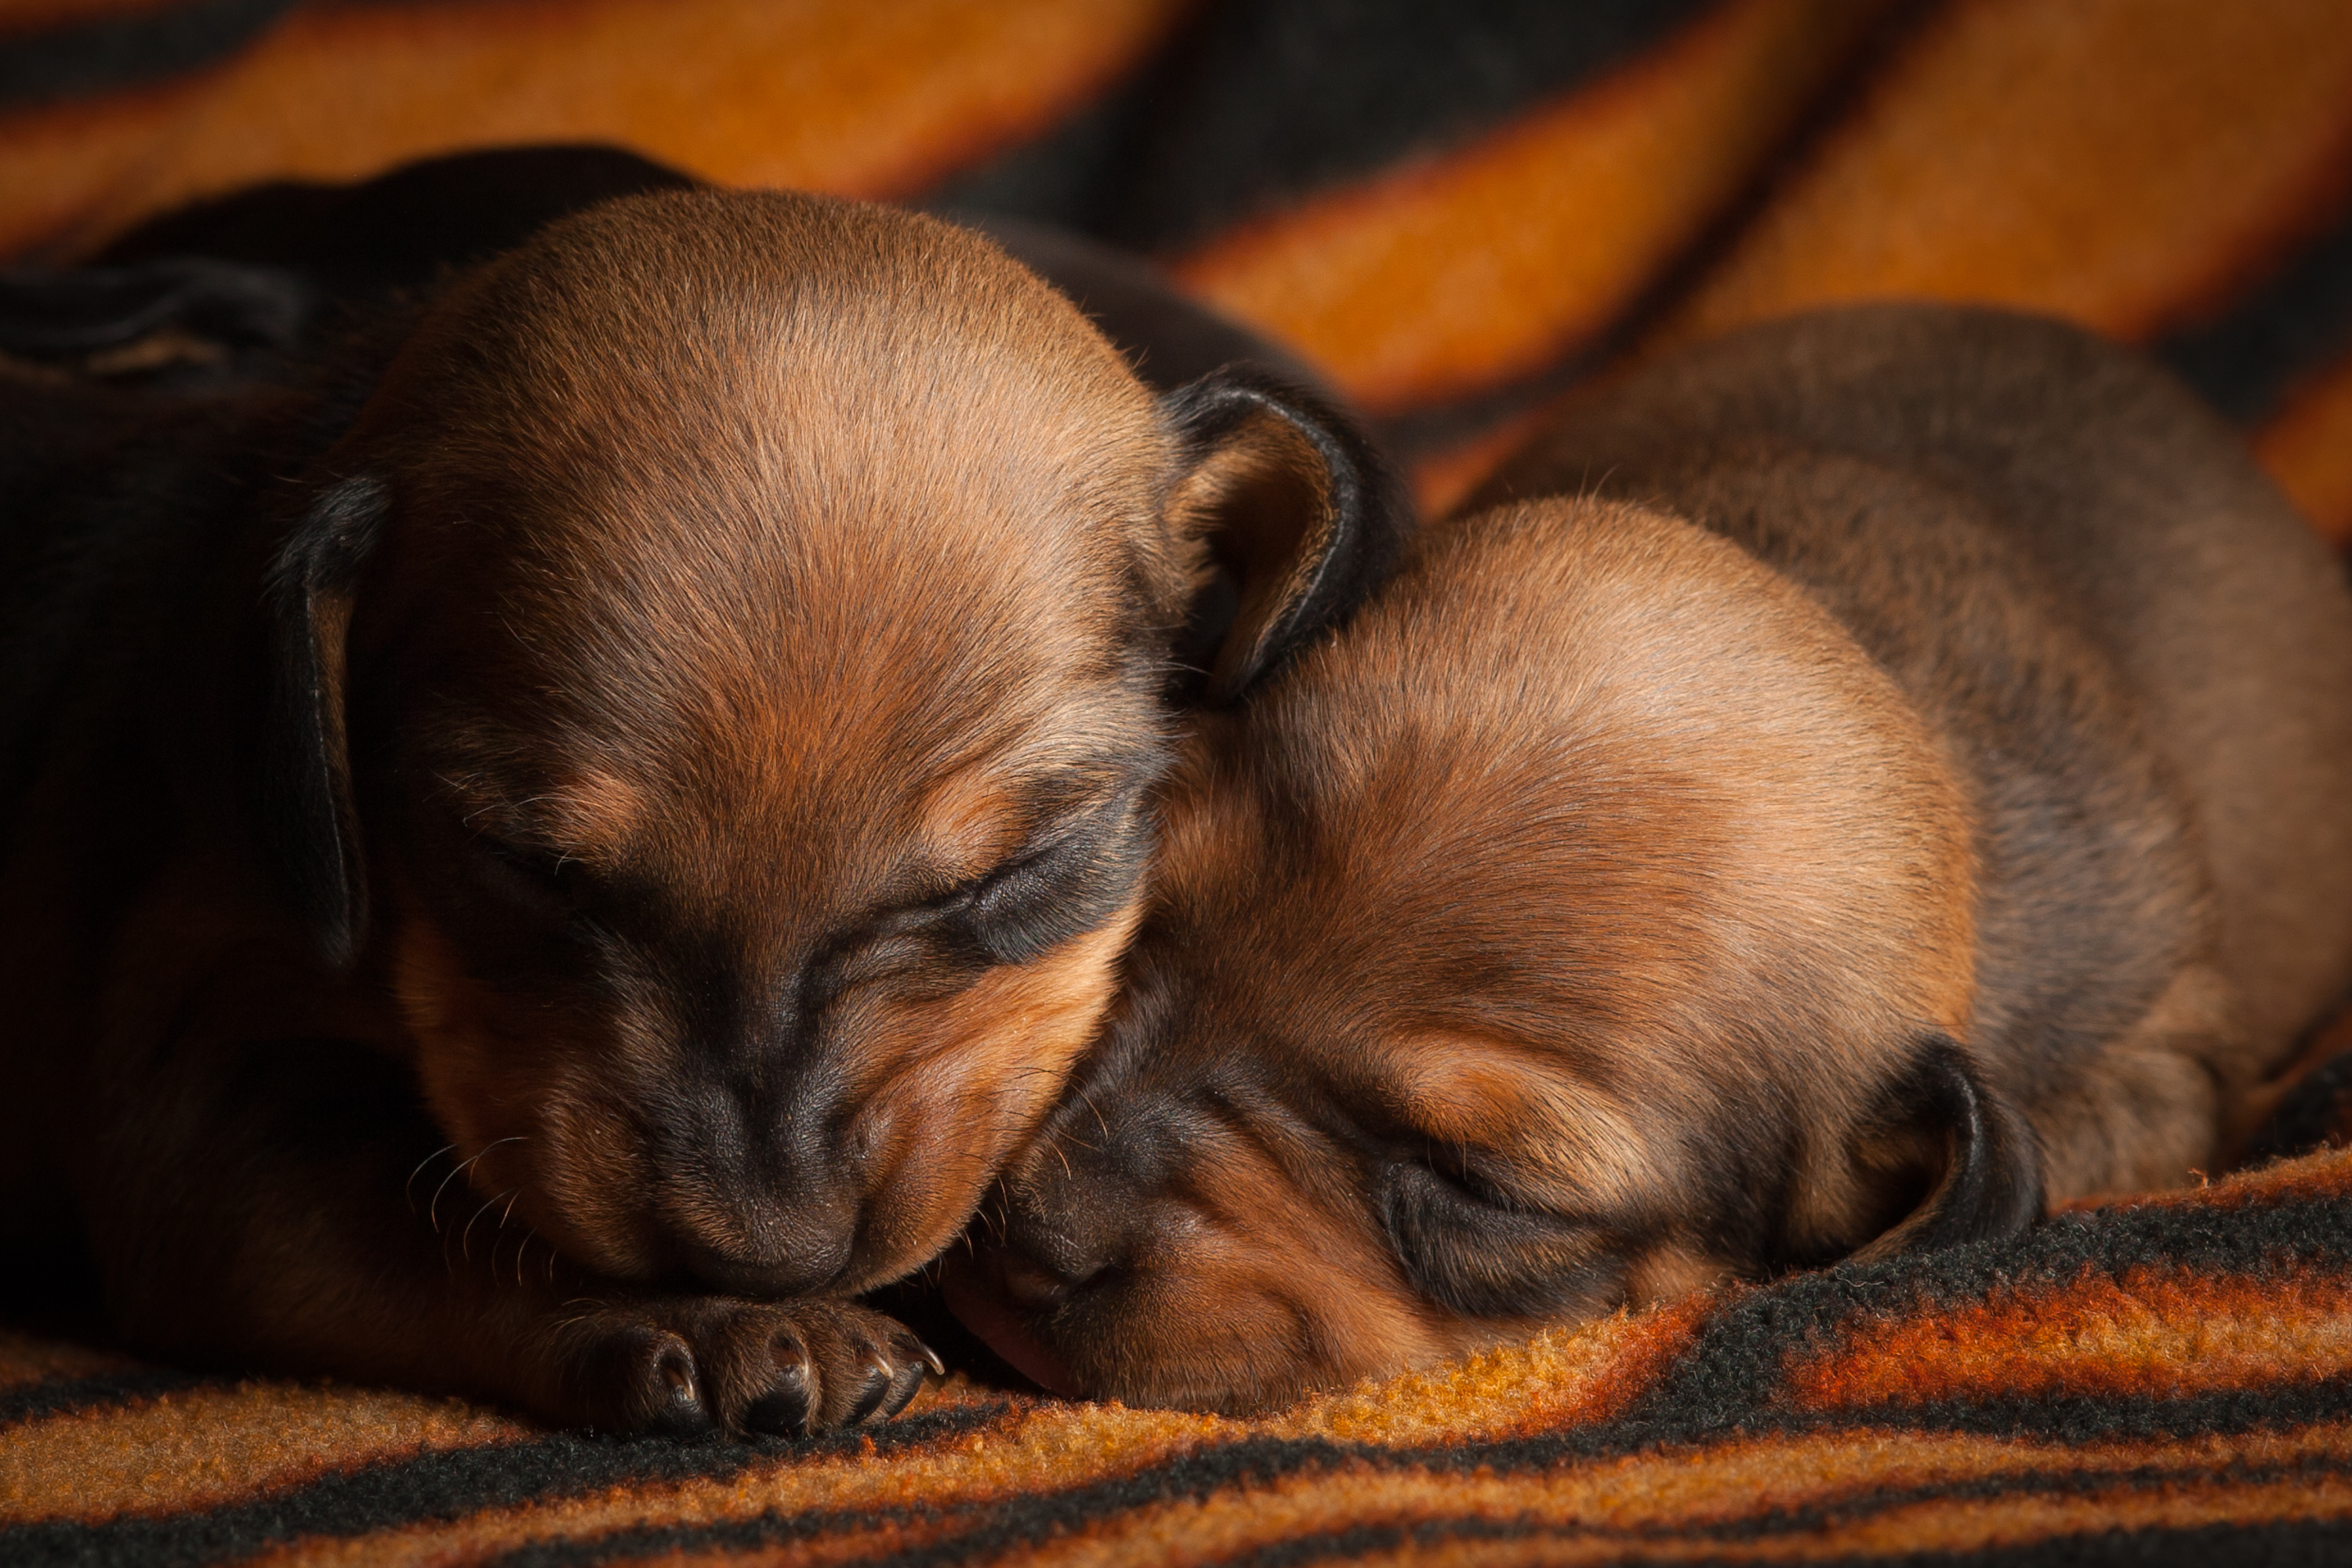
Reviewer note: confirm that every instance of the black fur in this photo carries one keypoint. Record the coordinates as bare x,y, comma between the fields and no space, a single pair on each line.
310,822
1368,519
1989,1181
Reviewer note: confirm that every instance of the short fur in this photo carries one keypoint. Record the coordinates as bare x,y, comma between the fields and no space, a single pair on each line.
1840,789
637,768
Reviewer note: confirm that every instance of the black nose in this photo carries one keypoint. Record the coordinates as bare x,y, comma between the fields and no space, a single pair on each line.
759,1198
1058,1234
767,1255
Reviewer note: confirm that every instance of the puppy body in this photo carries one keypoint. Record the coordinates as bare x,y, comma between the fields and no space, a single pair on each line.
549,854
1882,777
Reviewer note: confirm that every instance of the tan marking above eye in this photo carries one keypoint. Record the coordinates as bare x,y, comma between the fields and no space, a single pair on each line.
1567,1141
972,820
596,808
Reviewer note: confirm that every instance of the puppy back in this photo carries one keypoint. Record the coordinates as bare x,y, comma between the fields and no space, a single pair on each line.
2158,540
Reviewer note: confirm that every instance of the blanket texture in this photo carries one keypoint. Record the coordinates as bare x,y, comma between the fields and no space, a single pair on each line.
1459,209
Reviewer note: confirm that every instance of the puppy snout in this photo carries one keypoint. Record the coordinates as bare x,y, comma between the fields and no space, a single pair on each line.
761,1203
1058,1237
773,1257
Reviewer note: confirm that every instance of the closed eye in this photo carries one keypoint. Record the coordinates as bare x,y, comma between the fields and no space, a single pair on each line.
1054,891
1042,895
1472,1246
541,875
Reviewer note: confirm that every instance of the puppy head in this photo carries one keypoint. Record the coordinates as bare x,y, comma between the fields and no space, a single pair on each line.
719,684
1590,920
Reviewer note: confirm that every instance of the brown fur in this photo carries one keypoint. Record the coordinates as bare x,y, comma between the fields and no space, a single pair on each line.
1891,777
700,706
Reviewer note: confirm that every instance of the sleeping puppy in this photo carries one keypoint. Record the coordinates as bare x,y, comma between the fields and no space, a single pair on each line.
1842,790
546,858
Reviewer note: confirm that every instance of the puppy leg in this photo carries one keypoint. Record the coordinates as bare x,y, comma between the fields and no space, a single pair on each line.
2145,1113
281,1207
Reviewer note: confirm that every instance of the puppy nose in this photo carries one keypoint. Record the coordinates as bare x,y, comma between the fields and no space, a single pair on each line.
1032,1284
767,1261
1049,1248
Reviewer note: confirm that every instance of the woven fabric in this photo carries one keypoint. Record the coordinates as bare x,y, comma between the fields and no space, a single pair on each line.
1459,210
2155,1380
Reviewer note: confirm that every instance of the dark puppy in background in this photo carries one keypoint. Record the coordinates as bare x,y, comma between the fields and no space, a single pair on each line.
1842,789
550,850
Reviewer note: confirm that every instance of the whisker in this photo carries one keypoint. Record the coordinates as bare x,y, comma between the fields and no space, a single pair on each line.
433,1210
465,1239
408,1187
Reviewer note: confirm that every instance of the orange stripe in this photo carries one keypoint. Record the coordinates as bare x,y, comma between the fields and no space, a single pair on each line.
204,1447
1596,1511
2156,1331
1485,264
2327,1173
2119,162
2308,448
873,97
1443,481
1559,1377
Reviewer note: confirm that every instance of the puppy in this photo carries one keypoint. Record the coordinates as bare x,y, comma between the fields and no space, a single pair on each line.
546,858
1841,790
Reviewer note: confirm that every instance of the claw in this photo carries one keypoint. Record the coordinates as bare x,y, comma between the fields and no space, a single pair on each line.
783,1411
879,1378
931,1359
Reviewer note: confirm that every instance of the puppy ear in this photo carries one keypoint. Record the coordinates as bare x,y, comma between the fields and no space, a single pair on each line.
1302,516
1941,1126
308,821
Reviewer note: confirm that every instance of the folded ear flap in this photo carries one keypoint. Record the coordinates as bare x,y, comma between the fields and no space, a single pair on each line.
309,825
1940,1126
1301,514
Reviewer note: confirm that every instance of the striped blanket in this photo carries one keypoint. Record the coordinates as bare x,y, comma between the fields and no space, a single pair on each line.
1458,209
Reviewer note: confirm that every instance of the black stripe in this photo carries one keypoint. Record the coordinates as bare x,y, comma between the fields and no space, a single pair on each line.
1029,1521
1261,101
2300,321
2319,1543
58,1396
1737,1361
1772,1523
116,52
1434,429
1726,1381
1023,1521
447,1487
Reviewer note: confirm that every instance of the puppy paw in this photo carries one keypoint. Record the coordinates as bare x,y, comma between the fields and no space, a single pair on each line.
690,1365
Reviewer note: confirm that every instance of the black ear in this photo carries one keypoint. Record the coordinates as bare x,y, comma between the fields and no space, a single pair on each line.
309,825
1941,1126
78,313
1302,516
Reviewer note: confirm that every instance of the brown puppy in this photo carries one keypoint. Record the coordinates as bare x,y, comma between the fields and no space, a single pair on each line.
668,723
1893,777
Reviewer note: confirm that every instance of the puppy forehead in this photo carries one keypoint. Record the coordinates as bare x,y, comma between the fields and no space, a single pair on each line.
748,346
